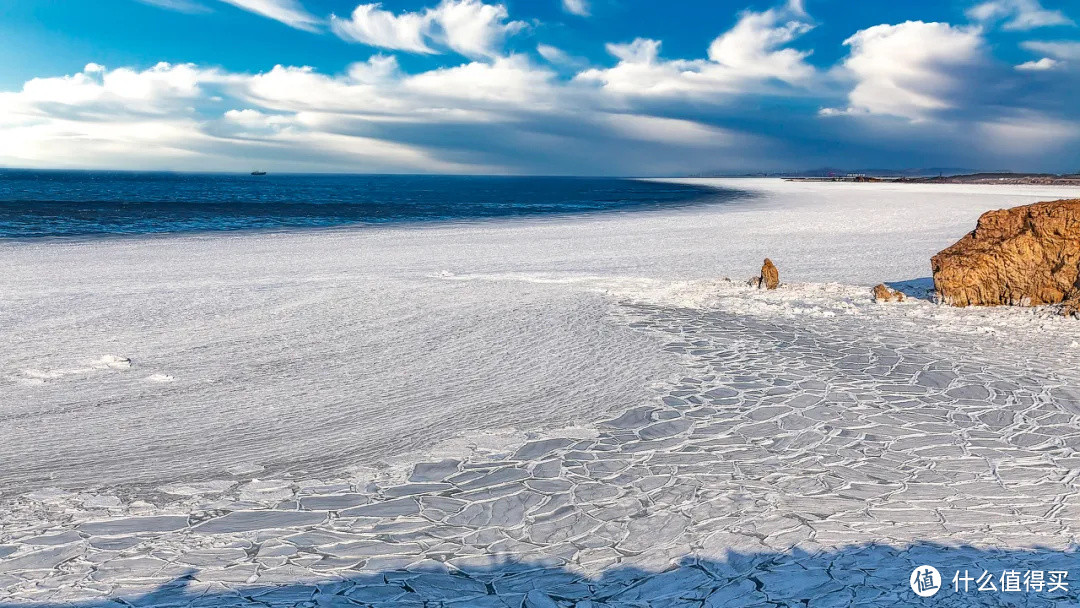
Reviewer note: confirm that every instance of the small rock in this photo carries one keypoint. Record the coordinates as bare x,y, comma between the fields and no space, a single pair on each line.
769,279
884,294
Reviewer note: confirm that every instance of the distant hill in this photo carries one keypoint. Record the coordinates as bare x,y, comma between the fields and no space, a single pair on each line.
1047,179
838,172
995,177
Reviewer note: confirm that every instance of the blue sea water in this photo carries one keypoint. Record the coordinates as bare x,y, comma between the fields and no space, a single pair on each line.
74,203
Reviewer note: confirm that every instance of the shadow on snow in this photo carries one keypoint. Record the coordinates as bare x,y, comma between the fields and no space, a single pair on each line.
919,289
867,575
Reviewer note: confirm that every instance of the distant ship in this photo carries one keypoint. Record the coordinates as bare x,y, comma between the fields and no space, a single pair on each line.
258,172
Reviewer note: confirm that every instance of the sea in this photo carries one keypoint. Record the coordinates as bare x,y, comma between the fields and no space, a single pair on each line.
84,203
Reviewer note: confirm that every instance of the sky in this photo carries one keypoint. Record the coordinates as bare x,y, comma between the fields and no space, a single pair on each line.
543,87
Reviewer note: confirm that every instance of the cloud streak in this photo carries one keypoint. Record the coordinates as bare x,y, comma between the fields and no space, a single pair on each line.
1019,15
289,12
1063,50
183,6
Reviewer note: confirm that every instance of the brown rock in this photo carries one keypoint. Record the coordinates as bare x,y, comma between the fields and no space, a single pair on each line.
884,294
1027,255
770,276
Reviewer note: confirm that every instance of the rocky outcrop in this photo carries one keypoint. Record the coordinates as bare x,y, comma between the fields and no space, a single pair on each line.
770,276
884,294
1027,255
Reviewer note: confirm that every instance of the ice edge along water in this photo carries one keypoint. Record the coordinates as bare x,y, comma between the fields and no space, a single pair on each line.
807,419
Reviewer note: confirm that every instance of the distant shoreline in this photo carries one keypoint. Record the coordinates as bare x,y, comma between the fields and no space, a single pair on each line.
1027,179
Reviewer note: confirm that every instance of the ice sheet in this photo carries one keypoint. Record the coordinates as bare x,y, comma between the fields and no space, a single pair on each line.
786,425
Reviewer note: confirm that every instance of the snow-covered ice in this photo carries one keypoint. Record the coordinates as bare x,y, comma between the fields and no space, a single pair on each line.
540,412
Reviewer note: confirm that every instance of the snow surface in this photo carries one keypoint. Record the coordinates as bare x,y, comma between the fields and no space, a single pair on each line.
586,397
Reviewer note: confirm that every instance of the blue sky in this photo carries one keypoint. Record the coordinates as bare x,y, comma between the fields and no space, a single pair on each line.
628,87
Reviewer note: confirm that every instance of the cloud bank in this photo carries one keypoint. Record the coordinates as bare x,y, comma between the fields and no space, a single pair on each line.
905,94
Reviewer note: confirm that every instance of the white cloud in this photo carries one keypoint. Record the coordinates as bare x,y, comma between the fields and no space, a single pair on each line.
377,70
1041,65
505,83
378,90
152,119
942,80
751,52
300,89
910,70
183,6
104,118
256,120
371,25
473,28
1026,133
469,27
1063,50
576,7
1017,14
289,12
552,53
500,115
68,143
247,116
559,57
753,46
672,131
641,50
500,112
162,89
